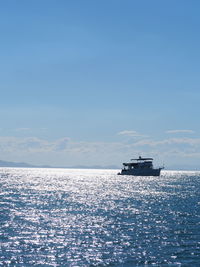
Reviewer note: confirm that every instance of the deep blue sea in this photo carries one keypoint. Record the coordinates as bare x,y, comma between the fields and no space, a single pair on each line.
70,217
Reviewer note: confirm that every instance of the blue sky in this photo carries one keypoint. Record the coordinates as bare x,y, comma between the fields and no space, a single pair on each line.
98,82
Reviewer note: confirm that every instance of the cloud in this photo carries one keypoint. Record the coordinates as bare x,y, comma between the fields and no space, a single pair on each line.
22,129
28,144
62,144
65,151
34,144
131,133
180,131
170,141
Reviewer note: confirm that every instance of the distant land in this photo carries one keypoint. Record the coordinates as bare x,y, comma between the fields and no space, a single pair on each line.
14,164
27,165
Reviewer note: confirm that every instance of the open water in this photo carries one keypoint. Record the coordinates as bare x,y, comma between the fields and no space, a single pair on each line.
68,217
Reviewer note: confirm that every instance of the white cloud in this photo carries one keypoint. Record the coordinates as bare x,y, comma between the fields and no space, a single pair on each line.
180,131
131,133
170,141
62,144
65,151
22,129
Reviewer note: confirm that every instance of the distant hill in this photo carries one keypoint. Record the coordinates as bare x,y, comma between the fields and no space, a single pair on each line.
27,165
93,167
15,164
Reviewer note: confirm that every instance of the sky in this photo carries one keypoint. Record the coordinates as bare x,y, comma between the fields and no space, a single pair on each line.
99,82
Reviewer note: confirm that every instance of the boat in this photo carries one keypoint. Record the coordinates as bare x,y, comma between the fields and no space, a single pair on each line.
140,167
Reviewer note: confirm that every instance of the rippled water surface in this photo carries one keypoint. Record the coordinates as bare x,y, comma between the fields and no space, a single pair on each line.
58,217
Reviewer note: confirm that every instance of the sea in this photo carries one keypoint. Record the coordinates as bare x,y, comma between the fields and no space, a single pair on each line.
79,217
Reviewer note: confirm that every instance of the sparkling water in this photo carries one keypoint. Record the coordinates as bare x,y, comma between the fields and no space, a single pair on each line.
70,217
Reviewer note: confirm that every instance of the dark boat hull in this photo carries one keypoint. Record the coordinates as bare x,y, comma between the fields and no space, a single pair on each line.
141,172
